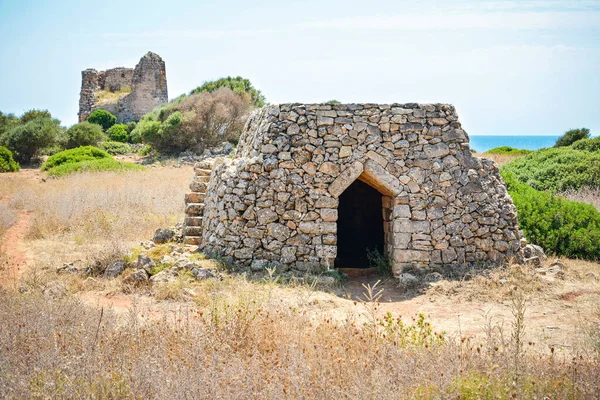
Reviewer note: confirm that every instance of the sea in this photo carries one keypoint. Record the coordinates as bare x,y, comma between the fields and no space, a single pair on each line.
481,143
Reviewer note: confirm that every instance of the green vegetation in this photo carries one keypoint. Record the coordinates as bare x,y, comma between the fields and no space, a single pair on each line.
7,122
84,159
572,136
7,162
103,118
34,114
507,150
560,226
194,122
592,144
116,147
333,102
106,96
84,134
238,85
27,139
118,133
557,169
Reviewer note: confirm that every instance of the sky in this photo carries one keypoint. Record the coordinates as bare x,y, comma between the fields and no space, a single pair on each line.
509,67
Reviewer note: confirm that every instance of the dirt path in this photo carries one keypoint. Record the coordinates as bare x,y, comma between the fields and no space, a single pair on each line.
14,249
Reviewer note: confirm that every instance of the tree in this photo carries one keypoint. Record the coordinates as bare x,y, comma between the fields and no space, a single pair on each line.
7,121
103,118
84,134
572,136
26,140
34,114
195,122
238,85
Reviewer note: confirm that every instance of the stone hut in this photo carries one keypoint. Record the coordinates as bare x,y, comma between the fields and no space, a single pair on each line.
316,186
147,85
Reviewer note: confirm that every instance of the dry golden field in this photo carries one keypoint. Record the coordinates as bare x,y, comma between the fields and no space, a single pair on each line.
508,333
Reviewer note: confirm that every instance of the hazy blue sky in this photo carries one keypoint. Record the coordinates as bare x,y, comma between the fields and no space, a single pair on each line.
510,67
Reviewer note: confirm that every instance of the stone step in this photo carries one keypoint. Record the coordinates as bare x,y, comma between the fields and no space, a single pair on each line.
203,165
193,231
198,187
202,172
192,221
193,240
194,198
194,209
199,178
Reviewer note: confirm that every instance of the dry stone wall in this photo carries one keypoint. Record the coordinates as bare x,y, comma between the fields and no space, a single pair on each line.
148,83
276,202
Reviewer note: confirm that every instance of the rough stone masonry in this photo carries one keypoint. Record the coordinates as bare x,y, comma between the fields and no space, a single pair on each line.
277,201
147,81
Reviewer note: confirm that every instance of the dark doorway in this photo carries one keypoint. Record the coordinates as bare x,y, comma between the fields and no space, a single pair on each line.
359,225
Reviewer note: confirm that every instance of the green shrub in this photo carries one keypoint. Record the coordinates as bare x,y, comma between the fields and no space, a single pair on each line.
238,85
7,162
79,154
194,122
507,150
557,169
84,134
118,133
97,165
560,226
572,136
34,114
26,140
7,122
587,144
103,118
116,147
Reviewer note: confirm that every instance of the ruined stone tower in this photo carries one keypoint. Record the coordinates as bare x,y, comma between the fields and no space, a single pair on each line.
125,92
317,186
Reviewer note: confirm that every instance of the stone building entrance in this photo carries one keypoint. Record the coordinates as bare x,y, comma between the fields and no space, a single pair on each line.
359,225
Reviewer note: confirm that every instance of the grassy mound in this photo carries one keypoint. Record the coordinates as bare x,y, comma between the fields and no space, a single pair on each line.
557,169
507,150
7,162
84,159
560,226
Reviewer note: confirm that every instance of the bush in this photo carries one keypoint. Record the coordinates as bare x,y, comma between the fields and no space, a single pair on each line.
238,85
194,122
7,122
116,147
97,165
572,136
79,154
26,140
507,150
557,169
560,226
84,134
587,144
34,114
84,159
7,163
118,133
103,118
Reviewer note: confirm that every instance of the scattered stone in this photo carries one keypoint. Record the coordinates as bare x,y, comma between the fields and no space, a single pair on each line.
203,273
433,277
114,269
145,263
407,280
55,290
136,278
325,280
166,275
163,235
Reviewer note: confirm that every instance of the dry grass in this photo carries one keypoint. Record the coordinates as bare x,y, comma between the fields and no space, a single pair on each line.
500,159
240,343
102,97
585,195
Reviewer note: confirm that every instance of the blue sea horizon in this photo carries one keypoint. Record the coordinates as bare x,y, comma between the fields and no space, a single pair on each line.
481,143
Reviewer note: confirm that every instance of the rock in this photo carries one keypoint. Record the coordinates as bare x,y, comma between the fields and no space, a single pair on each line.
114,269
324,280
136,278
532,250
203,273
75,267
167,275
259,265
145,263
433,277
407,280
163,235
55,290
